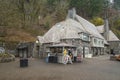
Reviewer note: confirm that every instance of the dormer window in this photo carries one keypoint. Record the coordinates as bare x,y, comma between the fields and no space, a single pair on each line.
86,37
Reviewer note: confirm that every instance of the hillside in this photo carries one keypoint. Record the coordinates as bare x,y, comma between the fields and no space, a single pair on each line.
23,20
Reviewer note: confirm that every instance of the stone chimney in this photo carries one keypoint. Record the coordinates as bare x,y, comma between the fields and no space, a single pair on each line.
71,13
106,29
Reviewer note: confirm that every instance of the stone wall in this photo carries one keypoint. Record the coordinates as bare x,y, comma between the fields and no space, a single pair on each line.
115,45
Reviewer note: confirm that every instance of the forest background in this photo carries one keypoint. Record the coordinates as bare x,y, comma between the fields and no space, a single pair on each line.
23,20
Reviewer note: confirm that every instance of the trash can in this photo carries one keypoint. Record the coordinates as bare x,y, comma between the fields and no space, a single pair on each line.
23,62
51,59
26,62
55,59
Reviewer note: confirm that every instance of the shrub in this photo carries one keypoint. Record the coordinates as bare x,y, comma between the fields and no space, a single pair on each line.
97,21
6,57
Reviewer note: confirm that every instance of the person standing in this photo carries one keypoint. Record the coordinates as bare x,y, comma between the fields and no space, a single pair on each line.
70,53
65,52
66,57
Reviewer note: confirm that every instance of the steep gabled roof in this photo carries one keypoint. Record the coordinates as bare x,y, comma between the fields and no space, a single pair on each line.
89,27
72,29
69,29
100,28
40,39
112,36
63,30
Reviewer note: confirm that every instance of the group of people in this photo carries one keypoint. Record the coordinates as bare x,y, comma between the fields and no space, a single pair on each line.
67,58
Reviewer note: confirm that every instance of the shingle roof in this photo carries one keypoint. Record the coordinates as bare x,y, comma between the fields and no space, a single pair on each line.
112,36
100,29
62,30
89,27
69,29
40,39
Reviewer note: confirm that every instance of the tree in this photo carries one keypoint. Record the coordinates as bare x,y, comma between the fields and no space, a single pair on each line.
61,10
117,4
97,21
117,23
30,10
8,13
87,8
95,7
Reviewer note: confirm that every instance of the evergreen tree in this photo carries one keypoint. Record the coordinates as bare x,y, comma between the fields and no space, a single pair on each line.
117,4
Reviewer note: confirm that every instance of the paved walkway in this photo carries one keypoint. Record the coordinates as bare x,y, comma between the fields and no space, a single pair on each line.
97,68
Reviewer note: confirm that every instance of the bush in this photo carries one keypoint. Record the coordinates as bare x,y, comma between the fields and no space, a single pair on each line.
6,57
97,21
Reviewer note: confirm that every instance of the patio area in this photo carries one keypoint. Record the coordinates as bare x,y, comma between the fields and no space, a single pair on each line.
97,68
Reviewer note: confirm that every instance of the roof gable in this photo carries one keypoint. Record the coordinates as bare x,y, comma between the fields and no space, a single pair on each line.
112,36
63,30
89,27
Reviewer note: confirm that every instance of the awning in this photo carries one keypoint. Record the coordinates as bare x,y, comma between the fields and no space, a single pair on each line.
63,45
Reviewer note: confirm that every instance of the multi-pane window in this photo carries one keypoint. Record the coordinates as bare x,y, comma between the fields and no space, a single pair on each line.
86,37
98,42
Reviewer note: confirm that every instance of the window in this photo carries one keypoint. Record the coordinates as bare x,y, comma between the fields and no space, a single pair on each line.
85,37
99,42
95,41
102,42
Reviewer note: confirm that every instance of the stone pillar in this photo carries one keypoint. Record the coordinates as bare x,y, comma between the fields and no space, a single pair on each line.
106,29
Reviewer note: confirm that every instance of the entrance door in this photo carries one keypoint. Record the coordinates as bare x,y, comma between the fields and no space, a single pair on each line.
86,52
